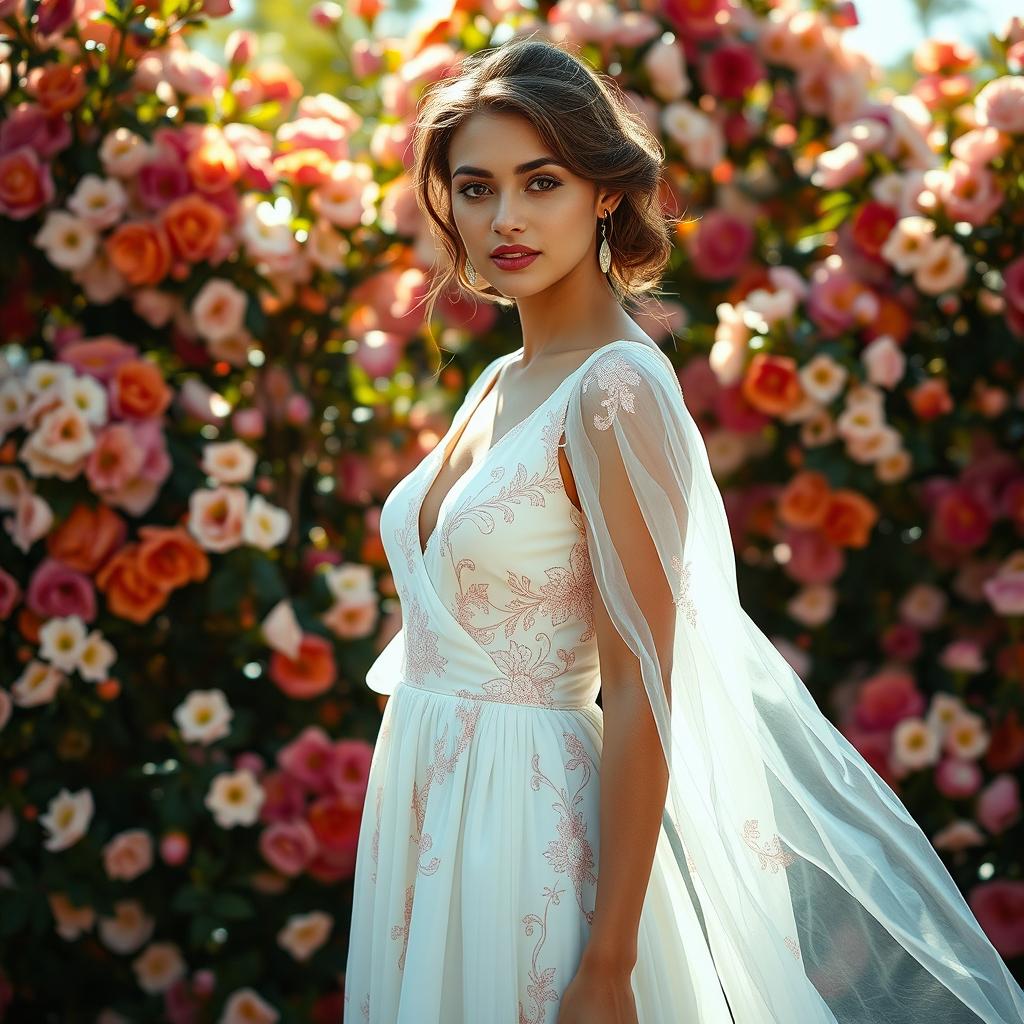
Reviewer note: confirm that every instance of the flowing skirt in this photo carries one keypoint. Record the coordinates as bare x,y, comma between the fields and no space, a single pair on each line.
477,867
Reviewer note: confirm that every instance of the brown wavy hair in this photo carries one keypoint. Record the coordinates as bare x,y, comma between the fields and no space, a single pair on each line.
582,117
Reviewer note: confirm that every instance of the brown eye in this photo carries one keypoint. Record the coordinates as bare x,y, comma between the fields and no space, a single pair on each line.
553,182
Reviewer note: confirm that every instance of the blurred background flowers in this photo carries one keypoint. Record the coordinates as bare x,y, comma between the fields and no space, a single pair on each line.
214,367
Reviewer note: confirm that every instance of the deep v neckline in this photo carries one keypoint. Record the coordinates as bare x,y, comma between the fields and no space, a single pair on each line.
460,426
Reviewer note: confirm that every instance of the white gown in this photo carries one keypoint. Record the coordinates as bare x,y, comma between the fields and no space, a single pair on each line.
478,857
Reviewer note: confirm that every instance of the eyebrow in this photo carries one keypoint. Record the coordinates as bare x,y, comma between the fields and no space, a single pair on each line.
530,165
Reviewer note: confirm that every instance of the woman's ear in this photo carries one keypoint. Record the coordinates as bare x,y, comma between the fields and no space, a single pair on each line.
607,202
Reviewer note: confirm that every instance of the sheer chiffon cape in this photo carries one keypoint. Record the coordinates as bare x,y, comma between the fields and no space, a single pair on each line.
822,900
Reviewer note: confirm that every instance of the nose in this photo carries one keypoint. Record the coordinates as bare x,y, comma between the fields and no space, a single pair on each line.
506,218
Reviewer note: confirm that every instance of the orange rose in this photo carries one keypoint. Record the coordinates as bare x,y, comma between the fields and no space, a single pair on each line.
771,384
893,319
930,399
59,88
304,166
171,555
805,500
194,227
141,252
848,519
86,539
25,183
130,592
140,389
310,674
213,165
274,80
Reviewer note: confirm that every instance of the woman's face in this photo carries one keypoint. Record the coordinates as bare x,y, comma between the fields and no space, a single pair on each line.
504,192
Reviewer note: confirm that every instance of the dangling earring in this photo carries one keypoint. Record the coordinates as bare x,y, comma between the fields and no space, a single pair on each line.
605,254
470,272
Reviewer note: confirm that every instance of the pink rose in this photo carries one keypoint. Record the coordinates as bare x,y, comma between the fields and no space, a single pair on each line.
163,180
288,846
298,410
248,423
957,778
813,559
174,848
350,769
284,797
998,806
839,302
128,854
695,21
999,908
969,192
99,356
326,15
962,656
115,460
959,835
1005,592
58,591
1001,104
26,184
731,71
979,145
887,698
961,520
10,594
54,16
734,412
666,69
884,361
321,133
309,758
29,125
721,245
901,642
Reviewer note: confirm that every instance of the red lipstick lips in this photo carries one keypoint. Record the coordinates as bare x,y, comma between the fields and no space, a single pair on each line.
513,257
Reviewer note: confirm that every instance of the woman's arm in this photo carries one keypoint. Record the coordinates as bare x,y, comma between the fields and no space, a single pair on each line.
634,781
633,772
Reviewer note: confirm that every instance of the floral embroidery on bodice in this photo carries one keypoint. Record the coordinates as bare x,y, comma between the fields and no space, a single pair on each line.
499,605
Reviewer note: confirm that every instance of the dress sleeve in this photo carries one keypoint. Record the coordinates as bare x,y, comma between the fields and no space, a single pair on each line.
820,897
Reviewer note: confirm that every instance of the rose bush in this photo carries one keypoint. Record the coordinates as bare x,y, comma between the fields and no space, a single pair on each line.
211,326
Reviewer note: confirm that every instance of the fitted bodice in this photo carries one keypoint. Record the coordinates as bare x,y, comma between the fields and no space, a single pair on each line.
499,605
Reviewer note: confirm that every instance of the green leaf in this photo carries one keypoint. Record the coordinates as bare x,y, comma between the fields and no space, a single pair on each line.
232,906
190,900
266,577
226,589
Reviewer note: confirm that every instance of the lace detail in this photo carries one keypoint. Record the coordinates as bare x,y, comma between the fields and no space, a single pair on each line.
568,594
375,842
682,599
571,853
540,989
528,677
772,853
437,771
420,649
401,931
792,946
615,375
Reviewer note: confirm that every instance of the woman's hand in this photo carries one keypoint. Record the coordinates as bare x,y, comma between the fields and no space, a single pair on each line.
598,995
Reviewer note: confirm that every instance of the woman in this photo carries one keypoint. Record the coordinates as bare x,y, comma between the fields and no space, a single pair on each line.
527,856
